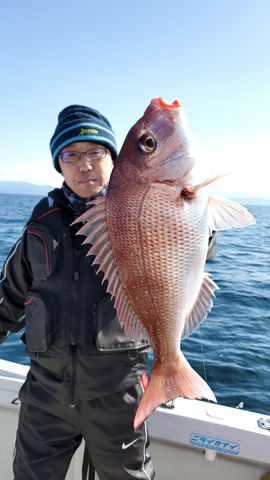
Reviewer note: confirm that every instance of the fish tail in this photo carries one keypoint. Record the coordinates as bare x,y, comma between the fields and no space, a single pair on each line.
168,382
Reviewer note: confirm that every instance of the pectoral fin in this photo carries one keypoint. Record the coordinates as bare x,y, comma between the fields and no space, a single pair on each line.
201,307
225,214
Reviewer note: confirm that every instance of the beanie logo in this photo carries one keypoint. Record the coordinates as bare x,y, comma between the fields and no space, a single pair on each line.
84,131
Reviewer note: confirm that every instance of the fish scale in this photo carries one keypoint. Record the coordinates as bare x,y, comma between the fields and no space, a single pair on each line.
150,264
149,236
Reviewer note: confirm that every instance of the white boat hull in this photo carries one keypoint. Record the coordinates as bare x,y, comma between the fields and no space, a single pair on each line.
193,440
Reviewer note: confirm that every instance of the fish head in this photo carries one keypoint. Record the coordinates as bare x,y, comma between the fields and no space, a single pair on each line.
157,149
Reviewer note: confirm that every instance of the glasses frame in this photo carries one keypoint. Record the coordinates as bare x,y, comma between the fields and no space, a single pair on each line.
80,154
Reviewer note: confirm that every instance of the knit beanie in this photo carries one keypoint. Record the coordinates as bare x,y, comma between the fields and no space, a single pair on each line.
77,123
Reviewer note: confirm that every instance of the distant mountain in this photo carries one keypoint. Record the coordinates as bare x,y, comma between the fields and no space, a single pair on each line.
24,188
252,201
244,198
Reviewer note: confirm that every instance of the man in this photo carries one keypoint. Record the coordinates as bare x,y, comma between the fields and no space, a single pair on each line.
86,377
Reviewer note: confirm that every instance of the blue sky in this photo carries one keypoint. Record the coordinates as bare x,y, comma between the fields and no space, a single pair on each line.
214,55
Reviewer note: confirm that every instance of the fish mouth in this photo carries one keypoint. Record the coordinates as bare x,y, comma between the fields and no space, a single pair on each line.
174,110
164,103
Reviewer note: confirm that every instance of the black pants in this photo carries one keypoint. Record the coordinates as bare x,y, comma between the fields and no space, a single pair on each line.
47,439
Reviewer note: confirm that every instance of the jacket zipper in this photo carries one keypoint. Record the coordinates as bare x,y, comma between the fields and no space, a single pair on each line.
73,339
73,346
73,355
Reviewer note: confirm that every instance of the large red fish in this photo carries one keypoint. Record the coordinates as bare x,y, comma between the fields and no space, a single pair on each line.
150,236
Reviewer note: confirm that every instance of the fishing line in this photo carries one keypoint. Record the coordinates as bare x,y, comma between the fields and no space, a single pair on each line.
205,378
202,353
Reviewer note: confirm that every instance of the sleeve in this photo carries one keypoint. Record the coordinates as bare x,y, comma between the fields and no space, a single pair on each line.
212,246
15,281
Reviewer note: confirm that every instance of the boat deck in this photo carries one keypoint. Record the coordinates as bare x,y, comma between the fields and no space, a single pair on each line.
194,440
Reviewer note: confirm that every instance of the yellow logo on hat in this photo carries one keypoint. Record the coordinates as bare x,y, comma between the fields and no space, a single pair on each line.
84,131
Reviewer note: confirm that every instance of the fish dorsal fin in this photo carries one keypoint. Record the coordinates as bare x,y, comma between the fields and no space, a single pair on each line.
225,214
201,307
97,234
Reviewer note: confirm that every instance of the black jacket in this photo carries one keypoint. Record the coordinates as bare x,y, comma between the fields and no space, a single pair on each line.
77,348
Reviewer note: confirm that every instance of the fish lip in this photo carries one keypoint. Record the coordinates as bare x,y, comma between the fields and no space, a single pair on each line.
164,103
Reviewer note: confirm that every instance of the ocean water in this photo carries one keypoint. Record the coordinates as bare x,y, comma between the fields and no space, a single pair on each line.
231,348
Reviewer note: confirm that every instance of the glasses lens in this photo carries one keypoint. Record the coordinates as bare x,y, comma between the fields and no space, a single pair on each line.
92,154
69,157
96,153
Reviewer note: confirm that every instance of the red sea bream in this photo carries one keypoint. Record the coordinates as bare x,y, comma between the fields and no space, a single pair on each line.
149,236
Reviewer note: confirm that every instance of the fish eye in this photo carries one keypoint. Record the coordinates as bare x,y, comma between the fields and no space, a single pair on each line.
147,143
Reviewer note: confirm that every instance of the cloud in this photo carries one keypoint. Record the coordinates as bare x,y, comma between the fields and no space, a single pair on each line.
40,173
248,164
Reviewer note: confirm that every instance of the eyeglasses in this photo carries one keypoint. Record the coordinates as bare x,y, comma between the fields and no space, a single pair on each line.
92,154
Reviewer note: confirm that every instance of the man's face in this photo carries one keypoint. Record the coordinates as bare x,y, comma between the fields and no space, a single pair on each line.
86,177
